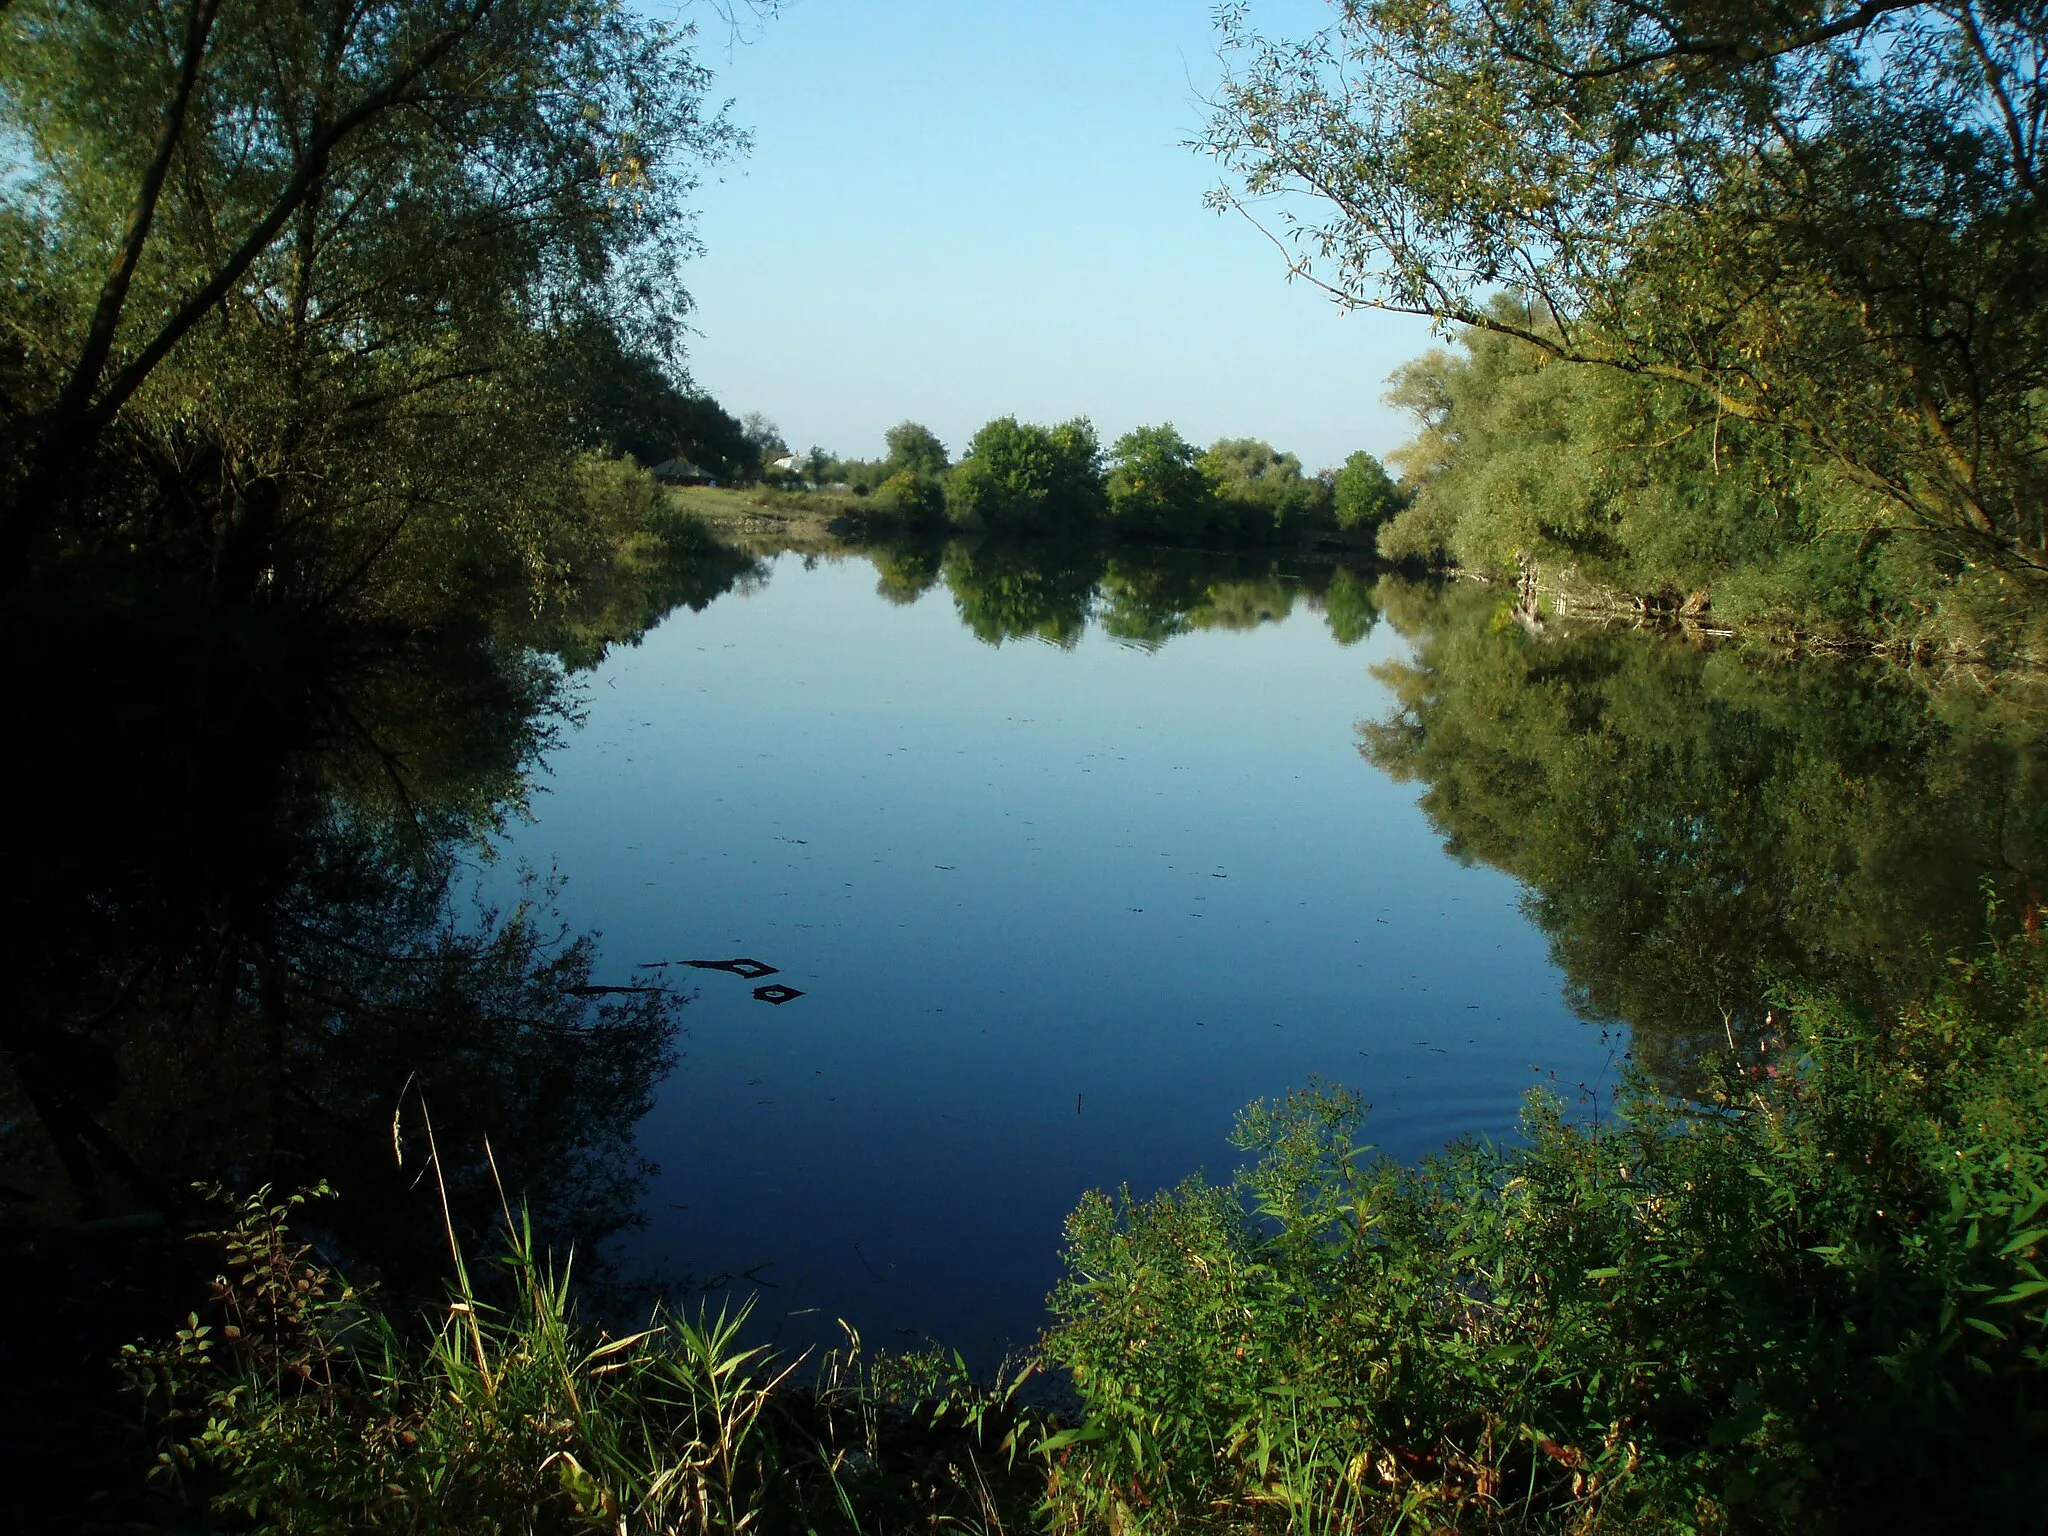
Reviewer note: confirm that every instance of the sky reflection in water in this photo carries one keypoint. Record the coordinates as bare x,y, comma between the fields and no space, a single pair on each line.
1056,915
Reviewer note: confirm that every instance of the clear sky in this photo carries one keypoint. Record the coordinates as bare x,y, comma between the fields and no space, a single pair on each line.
958,209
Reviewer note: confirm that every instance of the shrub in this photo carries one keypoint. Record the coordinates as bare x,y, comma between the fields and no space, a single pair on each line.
912,497
1816,1303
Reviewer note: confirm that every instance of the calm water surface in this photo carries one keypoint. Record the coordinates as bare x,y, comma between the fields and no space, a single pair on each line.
1056,912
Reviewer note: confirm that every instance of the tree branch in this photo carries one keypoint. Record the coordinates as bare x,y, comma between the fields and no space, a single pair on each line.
311,169
106,319
1728,49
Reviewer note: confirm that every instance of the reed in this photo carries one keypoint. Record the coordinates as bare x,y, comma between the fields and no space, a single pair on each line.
303,1405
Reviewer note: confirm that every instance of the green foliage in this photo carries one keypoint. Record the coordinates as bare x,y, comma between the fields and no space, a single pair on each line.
1605,486
914,449
1363,494
1264,489
1159,484
306,295
1019,478
1823,220
301,1405
916,500
623,402
1815,1303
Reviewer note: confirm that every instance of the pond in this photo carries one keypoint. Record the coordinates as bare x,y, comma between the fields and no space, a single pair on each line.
1059,857
1066,870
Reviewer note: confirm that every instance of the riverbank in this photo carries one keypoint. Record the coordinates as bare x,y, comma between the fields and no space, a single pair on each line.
1811,1301
764,520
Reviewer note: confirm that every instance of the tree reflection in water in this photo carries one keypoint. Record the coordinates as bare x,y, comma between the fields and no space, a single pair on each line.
1700,830
246,939
1006,591
237,934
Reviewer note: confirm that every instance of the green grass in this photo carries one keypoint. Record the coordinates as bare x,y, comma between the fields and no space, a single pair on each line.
301,1405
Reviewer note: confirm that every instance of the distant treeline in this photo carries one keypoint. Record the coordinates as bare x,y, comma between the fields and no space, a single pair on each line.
1016,477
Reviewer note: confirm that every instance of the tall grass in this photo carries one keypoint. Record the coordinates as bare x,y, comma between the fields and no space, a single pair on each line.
301,1405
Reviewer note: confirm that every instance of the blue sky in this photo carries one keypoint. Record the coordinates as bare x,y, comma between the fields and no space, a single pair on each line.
957,209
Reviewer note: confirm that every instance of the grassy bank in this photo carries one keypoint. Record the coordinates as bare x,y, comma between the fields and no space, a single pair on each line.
763,519
298,1404
1813,1300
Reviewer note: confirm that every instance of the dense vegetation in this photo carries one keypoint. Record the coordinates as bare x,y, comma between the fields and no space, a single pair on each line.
1604,487
1758,287
1016,478
321,303
1812,1301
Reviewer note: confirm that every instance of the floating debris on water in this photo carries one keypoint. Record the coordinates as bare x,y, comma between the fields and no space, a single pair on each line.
746,970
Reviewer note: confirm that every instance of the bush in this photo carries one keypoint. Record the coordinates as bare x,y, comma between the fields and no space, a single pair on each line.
1022,478
1814,1304
913,498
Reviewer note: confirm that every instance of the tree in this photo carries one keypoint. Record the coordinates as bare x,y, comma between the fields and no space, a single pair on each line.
764,435
916,449
624,401
284,230
1159,484
1024,478
1823,217
1364,494
1265,487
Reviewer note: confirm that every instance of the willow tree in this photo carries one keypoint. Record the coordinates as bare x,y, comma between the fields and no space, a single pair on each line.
1823,217
265,247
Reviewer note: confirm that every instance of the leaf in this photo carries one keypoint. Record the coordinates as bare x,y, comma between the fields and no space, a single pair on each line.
1080,1435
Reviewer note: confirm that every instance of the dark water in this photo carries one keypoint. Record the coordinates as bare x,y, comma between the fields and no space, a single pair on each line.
1070,856
1057,910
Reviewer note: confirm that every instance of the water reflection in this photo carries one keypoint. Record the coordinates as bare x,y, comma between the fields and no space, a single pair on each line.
1144,597
233,938
236,932
1701,831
